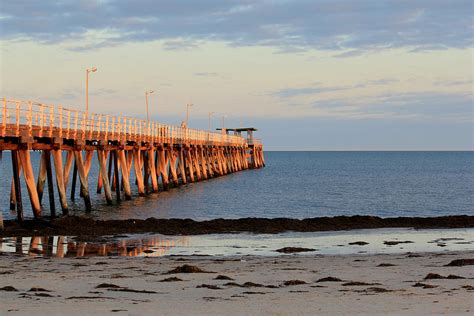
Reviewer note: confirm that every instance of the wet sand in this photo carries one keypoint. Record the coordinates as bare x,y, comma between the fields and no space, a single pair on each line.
281,285
74,225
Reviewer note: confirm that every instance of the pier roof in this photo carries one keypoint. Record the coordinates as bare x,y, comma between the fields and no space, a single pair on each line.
239,129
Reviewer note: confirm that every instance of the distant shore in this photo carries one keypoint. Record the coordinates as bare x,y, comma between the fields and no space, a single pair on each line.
77,226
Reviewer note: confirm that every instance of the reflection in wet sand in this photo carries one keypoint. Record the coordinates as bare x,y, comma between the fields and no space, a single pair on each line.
60,246
372,241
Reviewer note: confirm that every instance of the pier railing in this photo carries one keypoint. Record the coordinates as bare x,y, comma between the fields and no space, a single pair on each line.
31,119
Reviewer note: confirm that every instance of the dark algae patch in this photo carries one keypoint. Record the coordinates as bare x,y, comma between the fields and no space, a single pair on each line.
8,288
460,263
172,279
223,277
83,226
294,249
329,279
209,286
294,282
187,269
358,243
424,285
358,283
107,286
434,276
396,242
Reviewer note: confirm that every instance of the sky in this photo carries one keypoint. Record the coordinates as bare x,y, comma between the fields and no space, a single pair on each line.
309,74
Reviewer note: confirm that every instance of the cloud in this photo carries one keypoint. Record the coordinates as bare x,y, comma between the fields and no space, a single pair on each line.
317,89
349,26
429,104
180,44
206,74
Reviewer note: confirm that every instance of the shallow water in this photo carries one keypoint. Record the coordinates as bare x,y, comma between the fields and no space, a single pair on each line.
324,243
303,184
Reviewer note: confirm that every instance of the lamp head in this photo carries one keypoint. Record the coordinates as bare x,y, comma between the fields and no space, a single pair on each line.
94,69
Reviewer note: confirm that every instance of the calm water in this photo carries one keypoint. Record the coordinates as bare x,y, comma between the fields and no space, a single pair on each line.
305,184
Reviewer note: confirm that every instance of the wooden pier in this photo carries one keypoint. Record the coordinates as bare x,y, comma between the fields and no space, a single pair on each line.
161,156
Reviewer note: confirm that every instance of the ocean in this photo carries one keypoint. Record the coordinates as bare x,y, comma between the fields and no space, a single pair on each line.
300,185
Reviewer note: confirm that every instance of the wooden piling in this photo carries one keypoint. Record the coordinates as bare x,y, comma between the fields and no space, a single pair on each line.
57,158
189,164
173,157
146,171
25,160
74,180
162,166
17,186
152,167
81,170
182,170
49,174
41,176
125,174
116,176
138,172
67,167
101,156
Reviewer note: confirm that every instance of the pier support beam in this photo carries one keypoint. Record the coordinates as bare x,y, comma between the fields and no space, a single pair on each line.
173,157
101,155
162,167
41,176
151,164
58,164
17,186
125,174
49,174
138,171
30,181
182,170
79,164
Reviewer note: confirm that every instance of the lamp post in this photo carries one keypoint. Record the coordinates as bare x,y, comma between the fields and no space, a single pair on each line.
146,98
187,113
223,124
223,121
209,121
93,69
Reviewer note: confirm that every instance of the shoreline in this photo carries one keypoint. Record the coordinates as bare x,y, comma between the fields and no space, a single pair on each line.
393,284
84,226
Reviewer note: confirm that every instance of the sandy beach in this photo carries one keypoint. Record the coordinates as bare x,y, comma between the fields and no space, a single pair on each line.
296,284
